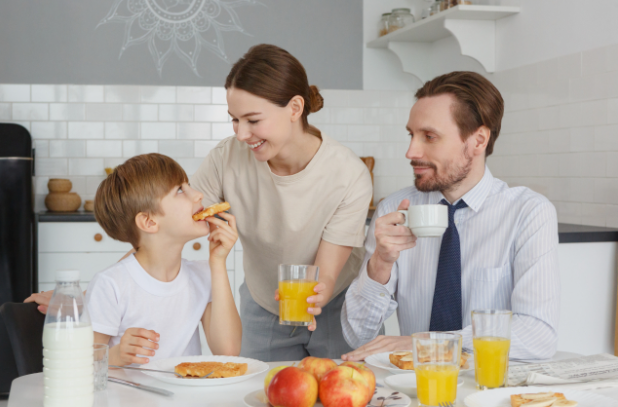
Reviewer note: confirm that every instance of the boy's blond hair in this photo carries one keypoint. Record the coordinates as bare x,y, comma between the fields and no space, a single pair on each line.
136,186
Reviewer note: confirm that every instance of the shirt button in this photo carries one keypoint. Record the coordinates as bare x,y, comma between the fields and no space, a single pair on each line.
381,294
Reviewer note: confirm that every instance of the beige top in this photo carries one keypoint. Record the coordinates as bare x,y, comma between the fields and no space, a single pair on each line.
281,220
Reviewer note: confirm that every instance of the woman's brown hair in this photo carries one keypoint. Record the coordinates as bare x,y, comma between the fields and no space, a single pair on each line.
272,73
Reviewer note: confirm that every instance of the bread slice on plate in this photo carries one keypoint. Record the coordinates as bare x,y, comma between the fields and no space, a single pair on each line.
546,399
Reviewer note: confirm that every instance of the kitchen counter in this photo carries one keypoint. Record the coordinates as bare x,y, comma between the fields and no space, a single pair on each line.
79,216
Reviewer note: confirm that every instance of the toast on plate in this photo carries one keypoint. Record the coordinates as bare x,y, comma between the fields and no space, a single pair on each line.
219,370
546,399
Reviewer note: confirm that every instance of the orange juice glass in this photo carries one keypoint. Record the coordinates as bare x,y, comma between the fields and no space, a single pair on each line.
296,284
436,364
491,337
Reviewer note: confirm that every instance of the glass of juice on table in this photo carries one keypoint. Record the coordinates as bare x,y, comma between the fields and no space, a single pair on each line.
491,336
436,364
296,283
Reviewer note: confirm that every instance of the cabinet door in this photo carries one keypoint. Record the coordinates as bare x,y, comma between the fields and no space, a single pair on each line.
198,249
72,237
87,263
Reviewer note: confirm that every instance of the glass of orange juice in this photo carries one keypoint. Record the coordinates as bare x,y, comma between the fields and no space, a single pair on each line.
491,337
296,283
436,364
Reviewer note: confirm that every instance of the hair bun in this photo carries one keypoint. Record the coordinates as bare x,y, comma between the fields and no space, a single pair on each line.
316,101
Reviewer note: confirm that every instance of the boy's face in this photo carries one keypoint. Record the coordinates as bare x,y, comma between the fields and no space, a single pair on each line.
177,209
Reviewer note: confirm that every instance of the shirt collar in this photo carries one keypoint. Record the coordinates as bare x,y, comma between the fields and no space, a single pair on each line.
473,198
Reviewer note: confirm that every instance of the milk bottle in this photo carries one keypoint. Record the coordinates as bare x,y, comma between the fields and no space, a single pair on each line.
68,346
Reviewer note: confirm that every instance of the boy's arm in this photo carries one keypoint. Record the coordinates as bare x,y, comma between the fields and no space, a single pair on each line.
221,321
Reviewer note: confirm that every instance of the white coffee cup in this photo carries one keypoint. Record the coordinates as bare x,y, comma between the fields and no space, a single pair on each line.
426,220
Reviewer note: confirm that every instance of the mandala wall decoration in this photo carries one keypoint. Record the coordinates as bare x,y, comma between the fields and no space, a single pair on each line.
180,27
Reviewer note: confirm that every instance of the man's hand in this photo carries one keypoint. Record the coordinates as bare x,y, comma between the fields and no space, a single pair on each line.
391,238
378,345
222,235
135,341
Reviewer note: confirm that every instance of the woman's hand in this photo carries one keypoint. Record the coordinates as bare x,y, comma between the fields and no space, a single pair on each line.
42,299
316,300
222,235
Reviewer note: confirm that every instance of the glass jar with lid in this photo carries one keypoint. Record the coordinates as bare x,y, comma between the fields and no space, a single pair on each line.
435,8
384,24
399,18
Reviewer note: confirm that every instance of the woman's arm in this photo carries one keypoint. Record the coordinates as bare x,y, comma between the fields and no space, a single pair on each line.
330,258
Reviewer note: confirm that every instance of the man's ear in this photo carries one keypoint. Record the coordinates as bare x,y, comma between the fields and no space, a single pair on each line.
297,106
146,223
480,138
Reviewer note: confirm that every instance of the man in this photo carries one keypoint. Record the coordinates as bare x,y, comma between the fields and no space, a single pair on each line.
499,251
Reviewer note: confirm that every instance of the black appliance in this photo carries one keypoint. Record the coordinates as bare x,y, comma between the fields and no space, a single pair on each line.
17,240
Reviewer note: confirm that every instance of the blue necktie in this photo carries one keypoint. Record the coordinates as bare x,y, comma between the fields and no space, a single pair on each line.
446,309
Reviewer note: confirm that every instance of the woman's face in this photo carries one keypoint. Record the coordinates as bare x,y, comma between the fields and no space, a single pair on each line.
264,126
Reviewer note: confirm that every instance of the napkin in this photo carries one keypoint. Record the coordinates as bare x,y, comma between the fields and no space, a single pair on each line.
536,379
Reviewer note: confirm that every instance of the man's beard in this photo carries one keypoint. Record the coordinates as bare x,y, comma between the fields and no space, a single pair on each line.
450,177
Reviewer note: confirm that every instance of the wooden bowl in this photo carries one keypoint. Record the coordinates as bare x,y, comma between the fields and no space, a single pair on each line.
89,205
59,185
63,201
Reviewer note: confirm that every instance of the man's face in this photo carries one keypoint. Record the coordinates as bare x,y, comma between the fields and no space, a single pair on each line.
441,160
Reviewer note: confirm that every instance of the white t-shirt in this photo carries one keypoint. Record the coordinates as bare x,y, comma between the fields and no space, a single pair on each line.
126,296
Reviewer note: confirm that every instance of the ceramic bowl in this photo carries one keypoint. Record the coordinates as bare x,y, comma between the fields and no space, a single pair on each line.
59,185
63,201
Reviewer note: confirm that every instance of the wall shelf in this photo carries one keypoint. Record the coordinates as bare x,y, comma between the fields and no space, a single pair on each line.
474,27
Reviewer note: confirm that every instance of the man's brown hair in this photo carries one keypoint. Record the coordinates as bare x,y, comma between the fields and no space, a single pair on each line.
478,103
136,186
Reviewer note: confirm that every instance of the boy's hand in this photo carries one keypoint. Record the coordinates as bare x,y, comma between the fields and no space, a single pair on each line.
222,236
315,300
135,341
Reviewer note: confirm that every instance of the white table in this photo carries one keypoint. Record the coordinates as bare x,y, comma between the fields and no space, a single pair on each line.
27,391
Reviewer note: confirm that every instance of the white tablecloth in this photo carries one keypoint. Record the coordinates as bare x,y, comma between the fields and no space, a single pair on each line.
27,391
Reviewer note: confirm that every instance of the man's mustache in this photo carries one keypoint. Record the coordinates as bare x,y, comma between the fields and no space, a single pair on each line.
417,163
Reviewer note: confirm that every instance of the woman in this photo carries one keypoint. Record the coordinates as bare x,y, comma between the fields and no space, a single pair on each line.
299,197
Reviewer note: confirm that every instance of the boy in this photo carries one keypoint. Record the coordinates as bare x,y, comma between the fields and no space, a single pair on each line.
148,305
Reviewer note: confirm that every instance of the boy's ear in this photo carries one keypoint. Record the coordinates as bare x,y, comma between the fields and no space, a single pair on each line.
146,223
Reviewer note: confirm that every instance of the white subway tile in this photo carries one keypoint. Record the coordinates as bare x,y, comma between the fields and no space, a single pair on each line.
41,147
357,148
199,131
556,91
103,148
566,67
363,133
86,166
320,117
219,96
50,166
396,133
611,57
177,148
606,138
594,113
67,148
67,111
49,93
365,98
211,113
348,115
49,130
141,112
92,183
176,113
203,148
595,214
571,165
222,130
559,141
338,132
606,190
39,202
569,209
103,112
158,94
582,139
612,111
137,147
25,125
86,93
335,97
549,165
397,99
158,131
190,165
549,118
593,164
40,185
612,216
113,162
193,94
122,94
594,61
86,130
30,111
521,121
121,130
78,185
14,93
558,189
612,165
570,115
5,111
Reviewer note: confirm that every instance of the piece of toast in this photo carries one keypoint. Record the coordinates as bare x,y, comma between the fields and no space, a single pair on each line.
230,370
396,356
199,369
406,363
518,399
212,210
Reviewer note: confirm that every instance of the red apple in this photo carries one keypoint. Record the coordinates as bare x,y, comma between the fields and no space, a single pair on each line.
293,387
366,372
344,386
318,367
270,375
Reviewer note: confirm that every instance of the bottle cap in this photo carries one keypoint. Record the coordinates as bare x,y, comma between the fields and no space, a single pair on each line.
67,275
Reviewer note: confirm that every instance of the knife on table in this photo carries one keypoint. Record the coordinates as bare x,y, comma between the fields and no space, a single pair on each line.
141,386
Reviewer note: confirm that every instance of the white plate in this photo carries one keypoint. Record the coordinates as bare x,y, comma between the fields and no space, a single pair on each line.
254,367
406,383
391,399
502,397
381,361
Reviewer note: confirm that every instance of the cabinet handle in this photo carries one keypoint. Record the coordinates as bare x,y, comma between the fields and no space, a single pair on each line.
197,246
98,237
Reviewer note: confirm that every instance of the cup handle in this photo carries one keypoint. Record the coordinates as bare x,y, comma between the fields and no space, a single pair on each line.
405,217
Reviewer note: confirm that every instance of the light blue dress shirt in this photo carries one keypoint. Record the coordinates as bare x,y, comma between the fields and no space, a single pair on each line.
509,260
